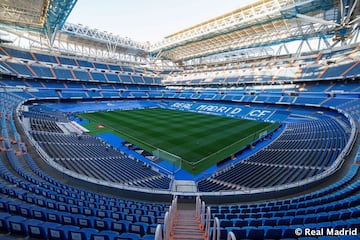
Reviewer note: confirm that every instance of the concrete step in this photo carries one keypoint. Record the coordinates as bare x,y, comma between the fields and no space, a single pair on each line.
187,226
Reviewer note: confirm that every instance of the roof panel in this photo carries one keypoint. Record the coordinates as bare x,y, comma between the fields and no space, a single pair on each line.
28,13
36,15
258,23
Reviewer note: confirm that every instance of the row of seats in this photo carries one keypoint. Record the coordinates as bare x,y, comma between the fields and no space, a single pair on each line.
43,125
285,160
231,95
91,157
86,86
63,73
60,60
335,207
284,73
37,205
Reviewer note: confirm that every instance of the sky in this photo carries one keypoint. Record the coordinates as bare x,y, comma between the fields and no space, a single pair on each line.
148,20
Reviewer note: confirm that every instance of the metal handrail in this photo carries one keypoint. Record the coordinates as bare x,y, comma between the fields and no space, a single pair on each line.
216,229
168,220
158,233
231,236
208,222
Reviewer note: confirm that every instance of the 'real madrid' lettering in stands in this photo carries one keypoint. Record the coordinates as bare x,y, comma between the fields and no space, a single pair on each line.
223,109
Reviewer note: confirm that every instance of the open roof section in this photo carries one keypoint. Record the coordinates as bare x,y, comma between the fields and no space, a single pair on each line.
77,33
257,24
265,28
46,16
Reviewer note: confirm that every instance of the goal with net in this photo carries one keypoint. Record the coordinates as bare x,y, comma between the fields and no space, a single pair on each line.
169,157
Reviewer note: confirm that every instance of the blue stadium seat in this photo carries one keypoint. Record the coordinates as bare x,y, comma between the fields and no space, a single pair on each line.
38,213
322,217
75,210
223,233
345,214
128,236
116,215
139,228
17,225
67,218
148,237
4,227
59,232
290,233
270,222
255,222
353,223
239,233
147,219
340,224
311,218
273,233
286,221
36,228
103,224
81,234
131,217
88,211
241,223
334,216
152,228
13,207
256,234
52,216
103,213
121,226
104,235
86,221
225,223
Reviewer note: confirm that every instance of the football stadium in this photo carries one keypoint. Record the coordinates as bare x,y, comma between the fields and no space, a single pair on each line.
243,126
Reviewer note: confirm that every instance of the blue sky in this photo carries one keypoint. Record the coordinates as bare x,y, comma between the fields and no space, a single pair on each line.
148,20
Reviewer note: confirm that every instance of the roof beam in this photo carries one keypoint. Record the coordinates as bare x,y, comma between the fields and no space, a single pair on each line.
254,25
252,14
114,41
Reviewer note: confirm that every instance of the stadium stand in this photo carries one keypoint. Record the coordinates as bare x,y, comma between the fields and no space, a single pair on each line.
74,153
335,205
59,182
39,205
283,157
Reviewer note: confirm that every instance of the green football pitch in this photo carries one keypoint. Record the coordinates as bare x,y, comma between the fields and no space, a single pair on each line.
200,140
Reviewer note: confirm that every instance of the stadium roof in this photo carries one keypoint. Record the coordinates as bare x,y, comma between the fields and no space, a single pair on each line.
82,34
45,16
261,23
257,27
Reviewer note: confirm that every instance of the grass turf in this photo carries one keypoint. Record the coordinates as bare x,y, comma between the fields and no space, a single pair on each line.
200,140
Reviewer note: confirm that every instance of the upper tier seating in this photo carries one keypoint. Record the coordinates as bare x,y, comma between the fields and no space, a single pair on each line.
308,68
16,53
61,67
